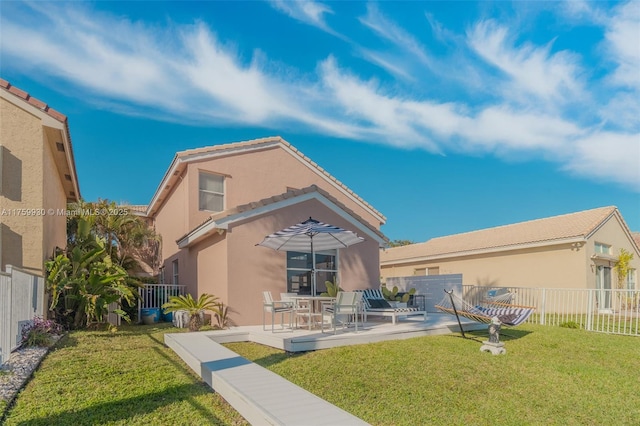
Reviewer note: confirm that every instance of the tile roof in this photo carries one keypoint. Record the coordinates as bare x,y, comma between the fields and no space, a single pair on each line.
33,101
281,197
73,195
539,231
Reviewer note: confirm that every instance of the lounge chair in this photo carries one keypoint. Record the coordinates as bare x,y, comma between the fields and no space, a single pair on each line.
375,304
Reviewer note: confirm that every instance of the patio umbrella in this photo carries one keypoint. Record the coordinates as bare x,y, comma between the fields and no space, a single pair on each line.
311,235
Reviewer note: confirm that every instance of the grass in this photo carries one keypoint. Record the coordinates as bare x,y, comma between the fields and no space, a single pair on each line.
127,378
550,375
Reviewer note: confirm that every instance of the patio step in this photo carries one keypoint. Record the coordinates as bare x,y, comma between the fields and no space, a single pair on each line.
259,395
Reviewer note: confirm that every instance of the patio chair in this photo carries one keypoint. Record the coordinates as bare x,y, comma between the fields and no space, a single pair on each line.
276,307
345,308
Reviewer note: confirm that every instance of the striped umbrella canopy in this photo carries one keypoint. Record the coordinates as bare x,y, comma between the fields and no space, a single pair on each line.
311,235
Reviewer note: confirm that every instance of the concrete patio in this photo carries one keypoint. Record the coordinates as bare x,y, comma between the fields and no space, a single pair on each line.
263,397
374,330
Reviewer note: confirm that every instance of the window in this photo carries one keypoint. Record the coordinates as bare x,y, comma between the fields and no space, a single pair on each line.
603,248
299,271
174,265
420,271
211,192
435,270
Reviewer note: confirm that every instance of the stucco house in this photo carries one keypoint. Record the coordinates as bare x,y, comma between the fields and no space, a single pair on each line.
37,179
577,250
215,204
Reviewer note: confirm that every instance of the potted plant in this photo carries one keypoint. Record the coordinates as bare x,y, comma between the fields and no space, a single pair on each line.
194,308
395,299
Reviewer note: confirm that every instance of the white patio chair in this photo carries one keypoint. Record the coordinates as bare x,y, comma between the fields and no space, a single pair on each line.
275,307
344,309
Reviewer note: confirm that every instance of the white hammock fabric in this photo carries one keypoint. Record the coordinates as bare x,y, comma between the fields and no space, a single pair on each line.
507,313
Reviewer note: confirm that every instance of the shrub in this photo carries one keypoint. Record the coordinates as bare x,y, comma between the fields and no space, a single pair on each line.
40,332
570,324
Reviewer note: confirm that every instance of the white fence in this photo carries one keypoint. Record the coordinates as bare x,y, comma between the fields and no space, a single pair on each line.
155,295
606,311
21,299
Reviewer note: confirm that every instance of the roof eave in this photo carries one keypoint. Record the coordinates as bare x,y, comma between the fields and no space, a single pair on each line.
209,226
579,241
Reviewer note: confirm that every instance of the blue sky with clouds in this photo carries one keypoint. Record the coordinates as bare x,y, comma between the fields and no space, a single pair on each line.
447,116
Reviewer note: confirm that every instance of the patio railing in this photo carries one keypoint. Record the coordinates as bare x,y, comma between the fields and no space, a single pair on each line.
155,295
606,311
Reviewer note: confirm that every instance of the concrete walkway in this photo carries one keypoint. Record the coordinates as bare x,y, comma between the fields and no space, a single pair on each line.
259,395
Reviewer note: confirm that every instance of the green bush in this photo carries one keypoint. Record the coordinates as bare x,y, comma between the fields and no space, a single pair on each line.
570,324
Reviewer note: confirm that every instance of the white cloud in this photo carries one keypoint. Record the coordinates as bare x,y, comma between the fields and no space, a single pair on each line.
388,30
606,156
306,11
531,69
187,73
622,41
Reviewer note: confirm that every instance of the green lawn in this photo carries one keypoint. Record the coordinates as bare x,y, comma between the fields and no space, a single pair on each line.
550,375
130,378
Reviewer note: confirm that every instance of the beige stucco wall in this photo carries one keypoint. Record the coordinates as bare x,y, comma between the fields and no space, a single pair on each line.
255,175
552,266
171,222
53,198
611,233
249,177
558,266
233,268
22,136
33,194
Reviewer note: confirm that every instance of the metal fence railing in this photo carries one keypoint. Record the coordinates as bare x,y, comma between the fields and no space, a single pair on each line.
155,295
21,299
602,310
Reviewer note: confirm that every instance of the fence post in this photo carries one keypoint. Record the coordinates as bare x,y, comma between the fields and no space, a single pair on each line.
543,307
589,324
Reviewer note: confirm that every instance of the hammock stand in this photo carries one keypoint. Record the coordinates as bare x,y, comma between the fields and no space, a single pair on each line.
507,313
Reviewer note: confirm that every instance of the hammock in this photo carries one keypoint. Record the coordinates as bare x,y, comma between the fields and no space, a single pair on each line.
507,313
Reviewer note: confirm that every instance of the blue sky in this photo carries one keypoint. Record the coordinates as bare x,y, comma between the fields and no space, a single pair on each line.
446,116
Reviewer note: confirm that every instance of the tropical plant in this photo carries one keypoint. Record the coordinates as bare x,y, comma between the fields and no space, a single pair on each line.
84,281
195,308
332,289
221,314
400,243
129,239
393,296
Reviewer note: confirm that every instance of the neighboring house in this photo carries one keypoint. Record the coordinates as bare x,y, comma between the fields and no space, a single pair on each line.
37,179
215,204
577,250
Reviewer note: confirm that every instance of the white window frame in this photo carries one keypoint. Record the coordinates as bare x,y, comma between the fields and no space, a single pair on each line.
602,248
175,269
202,173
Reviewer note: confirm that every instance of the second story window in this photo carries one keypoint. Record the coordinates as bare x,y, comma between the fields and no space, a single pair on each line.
603,248
211,192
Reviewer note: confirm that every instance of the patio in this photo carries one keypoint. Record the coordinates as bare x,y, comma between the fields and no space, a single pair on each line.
374,330
263,397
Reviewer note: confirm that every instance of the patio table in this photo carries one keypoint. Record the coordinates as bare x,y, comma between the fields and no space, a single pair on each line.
312,302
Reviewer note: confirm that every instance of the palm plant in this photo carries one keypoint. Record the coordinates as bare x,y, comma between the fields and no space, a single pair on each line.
195,308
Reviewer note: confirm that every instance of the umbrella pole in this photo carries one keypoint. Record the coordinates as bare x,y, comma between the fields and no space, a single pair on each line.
313,270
